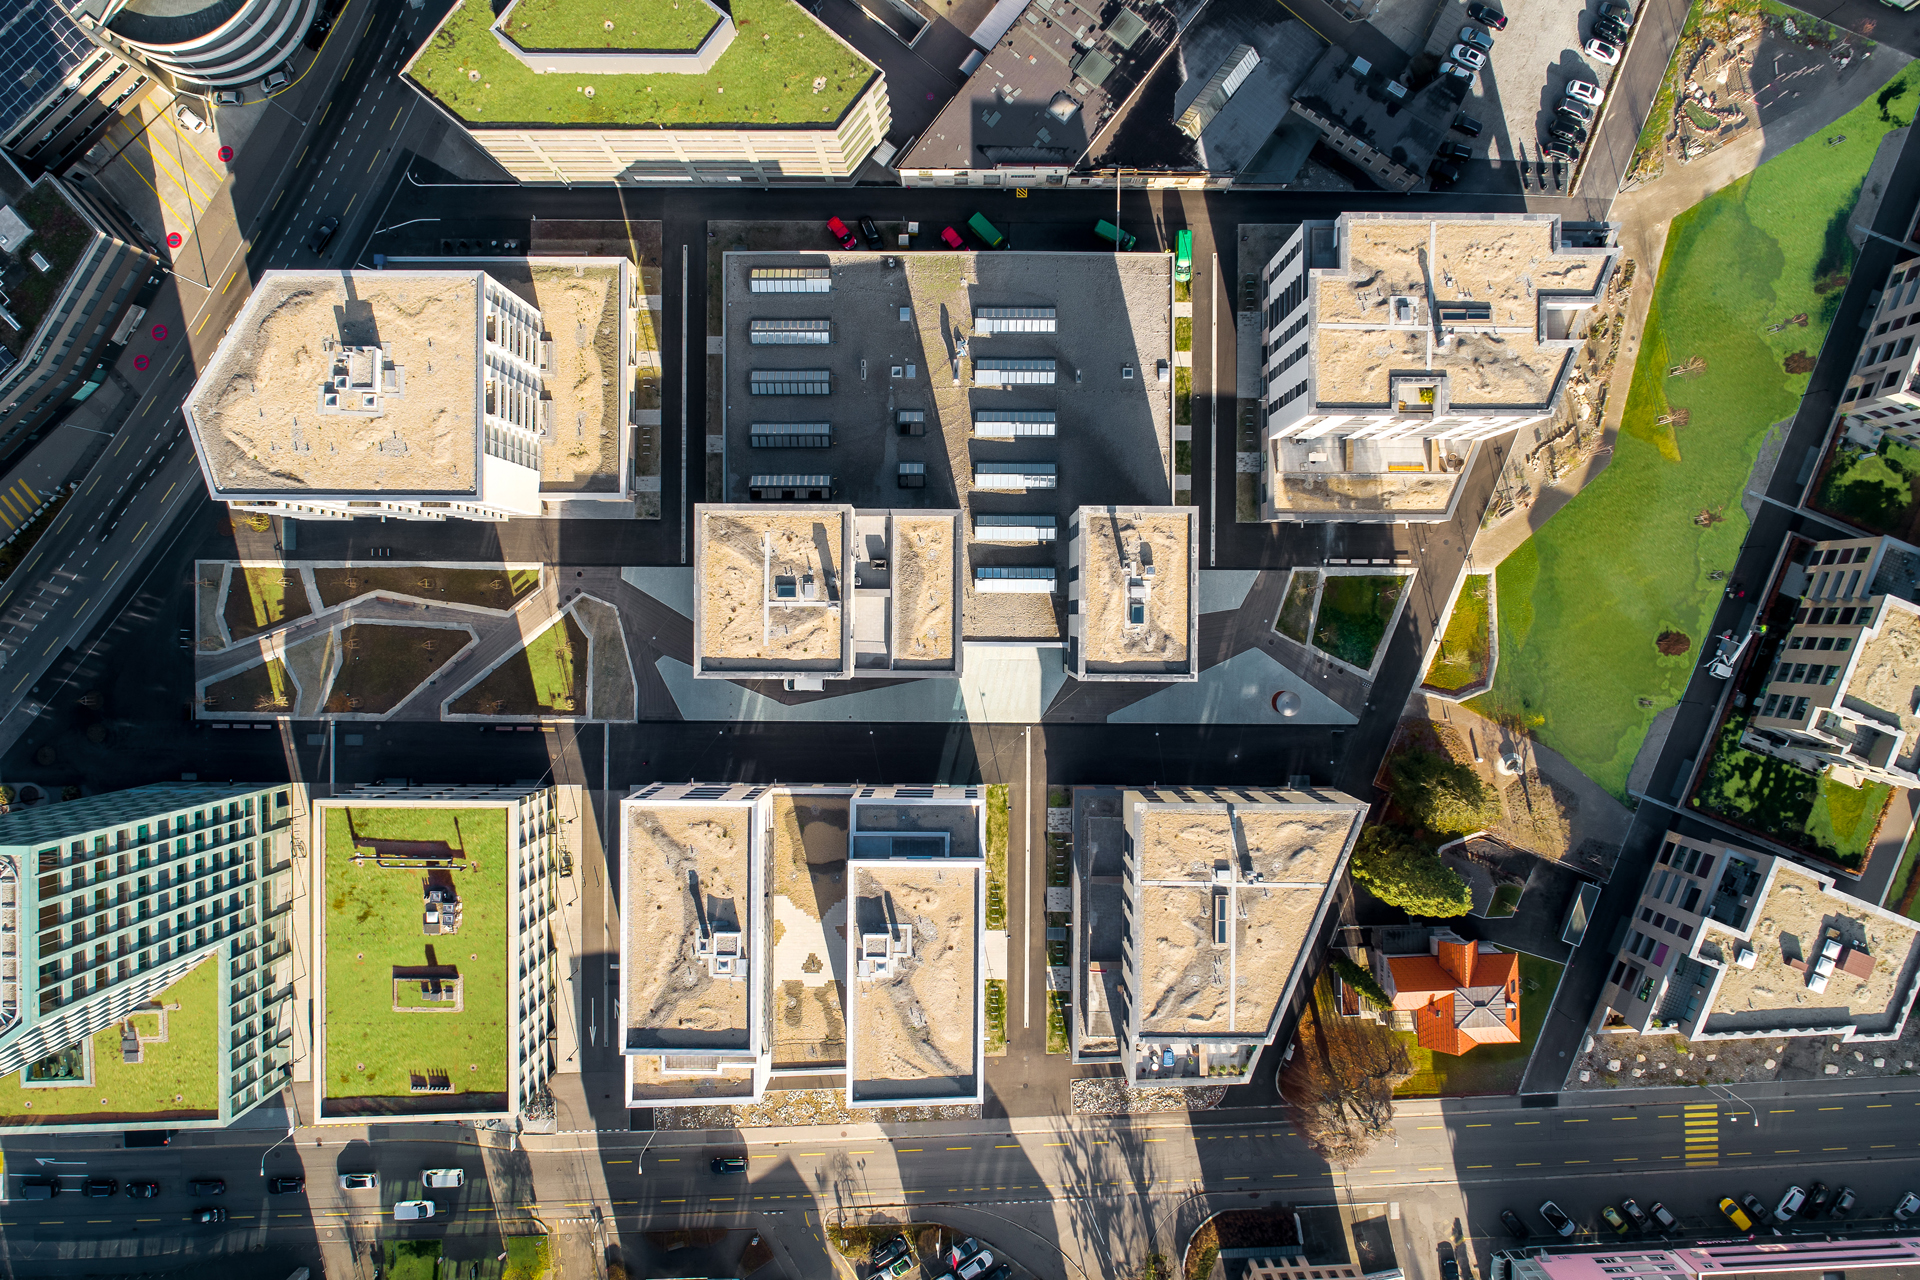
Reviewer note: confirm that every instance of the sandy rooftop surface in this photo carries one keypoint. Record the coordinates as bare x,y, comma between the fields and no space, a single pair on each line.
1289,845
1267,942
258,406
1184,842
1363,491
923,590
1886,674
651,1080
1797,909
734,624
920,1025
671,999
580,307
1183,975
1161,643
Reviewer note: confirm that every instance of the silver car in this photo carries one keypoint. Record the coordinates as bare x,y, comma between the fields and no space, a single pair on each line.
1476,38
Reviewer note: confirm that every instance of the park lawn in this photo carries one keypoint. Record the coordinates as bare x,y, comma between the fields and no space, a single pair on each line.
178,1080
1585,597
637,24
265,686
1465,648
1817,815
1354,611
412,1259
374,924
1491,1068
548,677
500,589
381,664
528,1257
1296,611
997,824
259,599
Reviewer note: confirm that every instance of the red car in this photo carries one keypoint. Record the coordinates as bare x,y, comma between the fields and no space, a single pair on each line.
952,238
839,231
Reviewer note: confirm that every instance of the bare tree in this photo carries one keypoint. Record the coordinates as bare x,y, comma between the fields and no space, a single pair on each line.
1340,1082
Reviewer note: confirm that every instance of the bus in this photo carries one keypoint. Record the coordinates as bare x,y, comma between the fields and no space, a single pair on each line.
1107,231
1183,257
987,231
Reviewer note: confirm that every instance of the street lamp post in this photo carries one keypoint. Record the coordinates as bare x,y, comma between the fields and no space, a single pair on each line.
269,1151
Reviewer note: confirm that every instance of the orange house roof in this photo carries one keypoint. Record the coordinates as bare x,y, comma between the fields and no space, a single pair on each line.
1459,998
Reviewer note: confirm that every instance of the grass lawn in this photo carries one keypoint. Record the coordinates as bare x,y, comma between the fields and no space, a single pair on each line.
374,924
548,677
259,599
765,77
637,24
997,822
1296,611
1057,1022
1490,1068
1464,649
1354,611
264,686
1585,597
1183,333
1505,901
1182,395
412,1259
178,1080
996,1017
382,664
1903,891
528,1257
489,588
1787,804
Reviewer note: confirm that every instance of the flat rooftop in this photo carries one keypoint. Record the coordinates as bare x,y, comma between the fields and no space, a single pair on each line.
1792,922
611,25
1495,267
772,589
1111,557
926,629
689,877
915,1035
256,408
1884,677
580,305
955,823
768,75
55,231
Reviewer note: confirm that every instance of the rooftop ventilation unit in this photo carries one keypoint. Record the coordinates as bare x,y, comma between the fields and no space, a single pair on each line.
1009,424
1014,320
790,280
790,488
1014,475
1010,373
791,435
1014,528
790,333
790,382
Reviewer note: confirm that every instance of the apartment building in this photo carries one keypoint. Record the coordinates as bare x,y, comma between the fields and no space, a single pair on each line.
1394,345
683,102
1839,695
1133,594
1728,944
425,395
1882,395
161,930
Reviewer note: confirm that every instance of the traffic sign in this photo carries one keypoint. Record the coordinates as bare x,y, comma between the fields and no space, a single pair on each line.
159,333
173,239
140,363
226,155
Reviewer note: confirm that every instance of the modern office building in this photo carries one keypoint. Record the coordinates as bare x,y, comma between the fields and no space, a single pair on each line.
201,46
765,94
158,936
1882,395
1133,594
1729,944
1394,345
425,395
57,86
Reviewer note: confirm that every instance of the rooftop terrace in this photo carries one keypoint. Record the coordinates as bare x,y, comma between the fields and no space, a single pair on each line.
56,232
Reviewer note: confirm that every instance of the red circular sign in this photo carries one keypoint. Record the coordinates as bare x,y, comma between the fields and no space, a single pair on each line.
159,333
226,154
140,362
173,239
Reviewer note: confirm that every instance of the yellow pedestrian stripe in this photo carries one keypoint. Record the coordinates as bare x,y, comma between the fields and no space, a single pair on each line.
1700,1135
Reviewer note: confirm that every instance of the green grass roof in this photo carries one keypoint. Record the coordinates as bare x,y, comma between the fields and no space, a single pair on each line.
766,77
637,24
60,235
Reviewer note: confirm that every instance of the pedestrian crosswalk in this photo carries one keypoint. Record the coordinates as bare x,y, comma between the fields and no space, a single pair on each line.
18,502
1702,1136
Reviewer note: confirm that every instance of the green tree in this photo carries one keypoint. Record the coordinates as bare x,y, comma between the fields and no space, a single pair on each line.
1360,978
1441,794
1401,873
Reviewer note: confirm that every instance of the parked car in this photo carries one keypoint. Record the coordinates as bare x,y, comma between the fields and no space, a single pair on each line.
1817,1197
285,1186
1489,15
1560,149
975,1267
101,1188
1566,132
1476,38
142,1190
871,234
961,1251
1572,106
1449,1269
443,1179
951,238
1464,123
838,230
1735,1214
1601,51
1586,91
412,1210
210,1215
275,80
359,1182
1468,56
900,1267
1515,1228
1844,1202
323,234
1455,69
1612,32
1614,1220
228,97
1662,1216
190,120
1614,11
1908,1206
1442,174
885,1254
1454,151
1560,1222
207,1187
1002,1272
730,1164
1638,1214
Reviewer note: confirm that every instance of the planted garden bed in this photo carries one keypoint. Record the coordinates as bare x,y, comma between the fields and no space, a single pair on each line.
1354,612
264,687
1466,647
261,598
546,678
380,665
1815,815
488,588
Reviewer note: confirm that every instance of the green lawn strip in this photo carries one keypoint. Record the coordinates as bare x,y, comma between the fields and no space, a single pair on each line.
1464,648
765,77
996,1016
265,686
1296,611
1354,612
637,24
528,1257
1182,395
262,598
1057,1022
1583,599
374,924
997,823
412,1259
1903,891
180,1079
1488,1068
488,588
1183,457
382,664
547,677
1183,333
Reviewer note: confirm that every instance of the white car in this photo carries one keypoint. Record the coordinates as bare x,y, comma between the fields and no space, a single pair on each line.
275,79
1468,56
444,1179
412,1210
191,120
1601,51
1908,1206
1476,38
975,1266
359,1182
1455,69
1586,91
